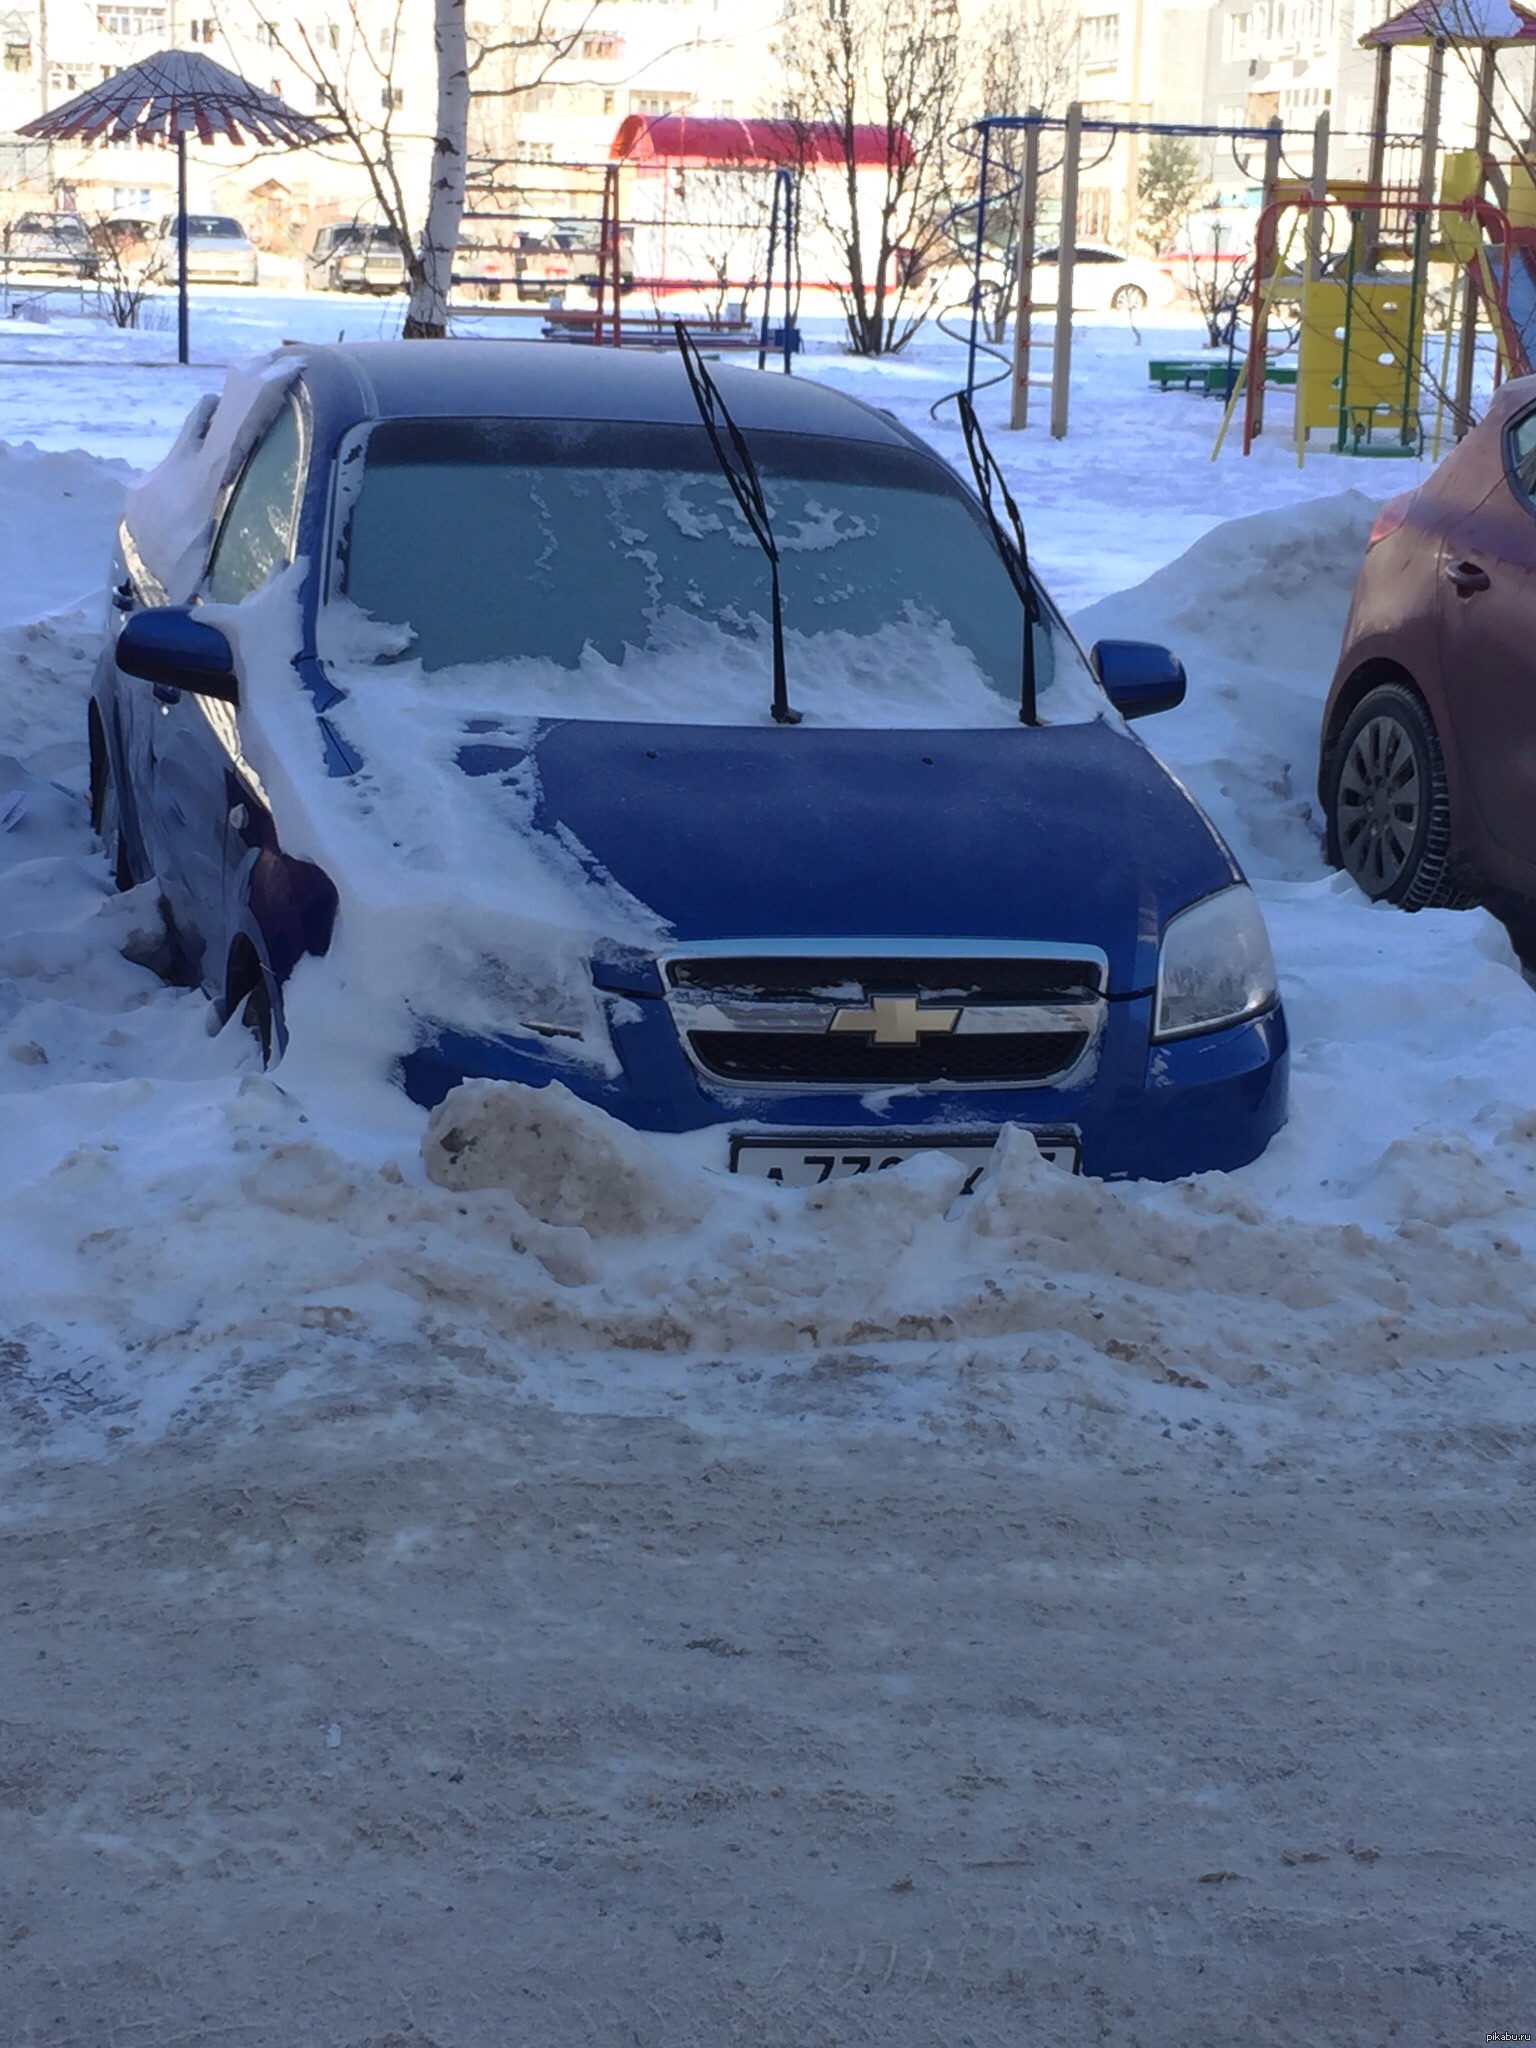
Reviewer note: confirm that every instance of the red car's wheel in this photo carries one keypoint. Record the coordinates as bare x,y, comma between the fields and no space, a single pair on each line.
1389,806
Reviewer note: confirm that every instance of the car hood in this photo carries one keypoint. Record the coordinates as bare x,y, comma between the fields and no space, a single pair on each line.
1072,833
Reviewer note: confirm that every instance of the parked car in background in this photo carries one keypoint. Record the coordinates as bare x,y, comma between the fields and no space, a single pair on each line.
1105,280
50,245
482,267
545,261
218,251
355,256
530,613
552,256
126,234
1427,769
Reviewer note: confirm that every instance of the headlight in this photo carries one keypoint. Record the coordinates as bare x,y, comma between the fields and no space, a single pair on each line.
1215,966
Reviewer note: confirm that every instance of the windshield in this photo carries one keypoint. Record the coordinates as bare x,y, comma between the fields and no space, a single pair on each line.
216,226
58,228
602,569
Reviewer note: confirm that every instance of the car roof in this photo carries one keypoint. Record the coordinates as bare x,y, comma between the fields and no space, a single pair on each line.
350,383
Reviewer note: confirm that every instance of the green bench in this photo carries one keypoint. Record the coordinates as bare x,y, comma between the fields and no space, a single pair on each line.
1212,380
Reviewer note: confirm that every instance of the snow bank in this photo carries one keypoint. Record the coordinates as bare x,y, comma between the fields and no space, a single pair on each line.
1414,1037
1256,612
182,1236
58,514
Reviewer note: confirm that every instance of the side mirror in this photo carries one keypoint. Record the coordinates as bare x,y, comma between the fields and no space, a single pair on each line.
1138,678
166,644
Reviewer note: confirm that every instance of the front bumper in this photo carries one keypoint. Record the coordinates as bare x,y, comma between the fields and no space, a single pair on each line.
1145,1111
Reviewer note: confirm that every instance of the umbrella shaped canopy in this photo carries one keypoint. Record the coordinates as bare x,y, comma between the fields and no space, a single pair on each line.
171,95
166,98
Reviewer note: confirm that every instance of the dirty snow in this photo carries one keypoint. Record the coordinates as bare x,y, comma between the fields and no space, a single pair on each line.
487,1578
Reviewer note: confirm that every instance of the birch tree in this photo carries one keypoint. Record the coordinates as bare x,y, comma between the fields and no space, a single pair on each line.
426,317
353,66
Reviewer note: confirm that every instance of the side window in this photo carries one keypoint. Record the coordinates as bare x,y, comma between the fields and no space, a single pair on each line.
1522,454
256,536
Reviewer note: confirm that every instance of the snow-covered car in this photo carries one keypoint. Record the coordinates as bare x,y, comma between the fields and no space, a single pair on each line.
1105,280
49,245
449,684
355,256
218,251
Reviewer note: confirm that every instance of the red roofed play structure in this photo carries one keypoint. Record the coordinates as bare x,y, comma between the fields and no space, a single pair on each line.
681,142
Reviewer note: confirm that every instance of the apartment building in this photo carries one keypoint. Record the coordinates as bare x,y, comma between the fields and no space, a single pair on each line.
535,123
1299,59
542,131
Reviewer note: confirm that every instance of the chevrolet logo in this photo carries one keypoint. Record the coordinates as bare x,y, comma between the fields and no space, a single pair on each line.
895,1020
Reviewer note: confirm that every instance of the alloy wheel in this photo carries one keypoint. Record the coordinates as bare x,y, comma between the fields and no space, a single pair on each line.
1380,804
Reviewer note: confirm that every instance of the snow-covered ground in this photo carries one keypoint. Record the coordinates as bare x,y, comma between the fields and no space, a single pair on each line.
622,1605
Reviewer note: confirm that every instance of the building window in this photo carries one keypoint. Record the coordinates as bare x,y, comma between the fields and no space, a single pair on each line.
1237,37
659,102
202,31
391,97
1100,40
64,78
18,55
602,49
1094,209
266,34
131,21
536,152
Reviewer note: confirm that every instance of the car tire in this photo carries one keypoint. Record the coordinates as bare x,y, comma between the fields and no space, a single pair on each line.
257,1018
1129,298
107,814
1389,807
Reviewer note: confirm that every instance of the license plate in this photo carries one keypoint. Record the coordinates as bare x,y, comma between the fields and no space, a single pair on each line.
811,1162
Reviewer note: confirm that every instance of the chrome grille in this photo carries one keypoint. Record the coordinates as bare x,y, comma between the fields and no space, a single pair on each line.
1023,1016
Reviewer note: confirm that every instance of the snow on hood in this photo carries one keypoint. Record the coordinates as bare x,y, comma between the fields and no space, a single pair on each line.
452,909
912,672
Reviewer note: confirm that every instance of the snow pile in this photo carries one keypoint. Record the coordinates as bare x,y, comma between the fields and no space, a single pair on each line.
58,514
1256,612
452,910
196,1237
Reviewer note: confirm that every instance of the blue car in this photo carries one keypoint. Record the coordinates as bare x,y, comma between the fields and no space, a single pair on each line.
862,856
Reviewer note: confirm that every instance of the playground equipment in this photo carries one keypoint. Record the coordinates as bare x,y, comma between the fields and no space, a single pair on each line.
1354,262
1362,368
1001,188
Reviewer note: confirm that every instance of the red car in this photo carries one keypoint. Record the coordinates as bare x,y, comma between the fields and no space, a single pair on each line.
1428,763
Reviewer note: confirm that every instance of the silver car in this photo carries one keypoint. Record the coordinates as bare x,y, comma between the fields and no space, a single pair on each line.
49,245
218,251
352,256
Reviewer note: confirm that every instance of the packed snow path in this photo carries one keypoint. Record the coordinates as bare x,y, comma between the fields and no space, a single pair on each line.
620,1605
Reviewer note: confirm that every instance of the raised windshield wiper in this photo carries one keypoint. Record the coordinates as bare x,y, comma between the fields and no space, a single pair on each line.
740,472
1011,545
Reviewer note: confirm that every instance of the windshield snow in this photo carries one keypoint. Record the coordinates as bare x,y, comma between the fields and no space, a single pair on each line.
602,569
